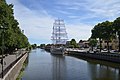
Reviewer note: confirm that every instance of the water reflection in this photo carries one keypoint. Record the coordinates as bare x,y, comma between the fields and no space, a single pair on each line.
58,67
44,66
102,72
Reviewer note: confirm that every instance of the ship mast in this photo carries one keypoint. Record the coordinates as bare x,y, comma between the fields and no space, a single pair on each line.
59,34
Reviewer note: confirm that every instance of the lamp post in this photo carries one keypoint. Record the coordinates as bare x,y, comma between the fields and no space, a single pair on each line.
2,49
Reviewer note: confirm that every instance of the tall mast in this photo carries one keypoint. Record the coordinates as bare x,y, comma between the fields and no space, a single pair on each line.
59,34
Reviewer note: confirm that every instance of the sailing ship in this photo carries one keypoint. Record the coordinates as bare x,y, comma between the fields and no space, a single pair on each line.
59,37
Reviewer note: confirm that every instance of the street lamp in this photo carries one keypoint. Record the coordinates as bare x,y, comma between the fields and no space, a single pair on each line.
2,49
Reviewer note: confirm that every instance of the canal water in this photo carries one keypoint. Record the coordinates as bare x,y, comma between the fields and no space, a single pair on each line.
44,66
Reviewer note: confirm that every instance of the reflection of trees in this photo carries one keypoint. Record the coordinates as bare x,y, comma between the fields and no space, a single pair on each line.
58,67
102,72
42,50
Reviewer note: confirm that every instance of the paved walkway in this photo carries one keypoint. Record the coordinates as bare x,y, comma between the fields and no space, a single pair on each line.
9,59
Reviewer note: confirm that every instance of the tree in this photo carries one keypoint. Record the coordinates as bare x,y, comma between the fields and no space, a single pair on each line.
42,45
97,33
92,43
103,31
116,27
34,46
107,32
13,36
73,43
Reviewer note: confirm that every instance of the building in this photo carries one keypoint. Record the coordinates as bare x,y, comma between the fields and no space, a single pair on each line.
113,45
83,44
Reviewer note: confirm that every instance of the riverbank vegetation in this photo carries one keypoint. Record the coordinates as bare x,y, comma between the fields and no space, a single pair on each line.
11,36
22,70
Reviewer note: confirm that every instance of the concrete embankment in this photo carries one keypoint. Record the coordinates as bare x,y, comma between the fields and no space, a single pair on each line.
112,57
14,69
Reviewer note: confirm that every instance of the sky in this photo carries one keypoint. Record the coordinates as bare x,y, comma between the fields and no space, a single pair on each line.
36,17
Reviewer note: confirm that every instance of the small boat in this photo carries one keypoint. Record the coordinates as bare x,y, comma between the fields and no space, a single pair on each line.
59,37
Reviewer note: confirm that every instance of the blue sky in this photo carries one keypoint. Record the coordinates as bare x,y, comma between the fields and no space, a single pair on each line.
36,17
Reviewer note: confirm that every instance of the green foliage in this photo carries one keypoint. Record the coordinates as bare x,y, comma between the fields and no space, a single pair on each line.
116,24
13,36
93,42
107,31
97,31
73,43
42,45
102,30
34,46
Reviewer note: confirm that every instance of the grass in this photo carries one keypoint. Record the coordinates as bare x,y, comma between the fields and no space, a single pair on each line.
21,71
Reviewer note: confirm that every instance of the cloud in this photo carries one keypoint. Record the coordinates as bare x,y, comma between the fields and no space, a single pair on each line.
36,26
63,12
79,31
109,9
74,17
37,17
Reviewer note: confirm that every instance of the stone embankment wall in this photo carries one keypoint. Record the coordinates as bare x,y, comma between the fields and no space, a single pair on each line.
112,57
14,71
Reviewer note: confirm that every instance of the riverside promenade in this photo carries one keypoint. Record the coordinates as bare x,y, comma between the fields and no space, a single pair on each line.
112,57
9,63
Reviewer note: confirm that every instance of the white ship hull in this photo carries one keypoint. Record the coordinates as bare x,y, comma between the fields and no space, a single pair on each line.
57,51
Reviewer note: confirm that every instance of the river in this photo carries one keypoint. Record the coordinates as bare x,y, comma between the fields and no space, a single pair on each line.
44,66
